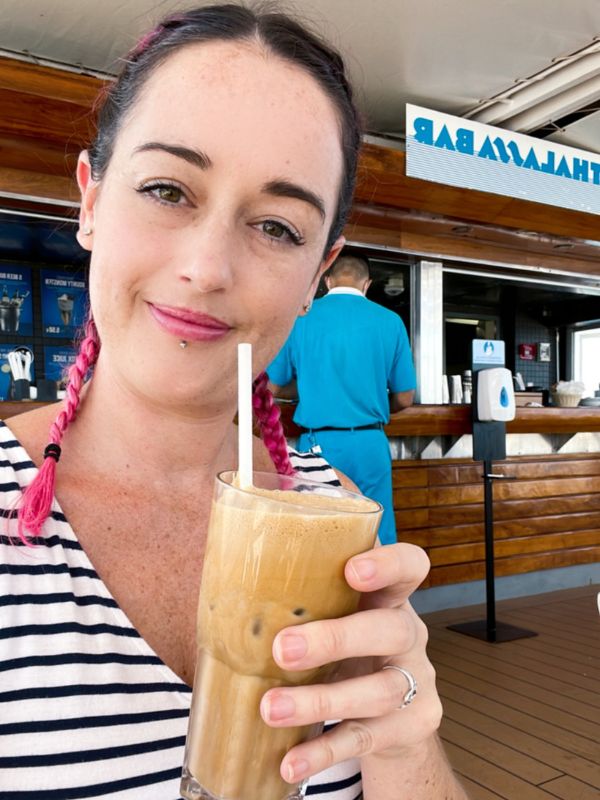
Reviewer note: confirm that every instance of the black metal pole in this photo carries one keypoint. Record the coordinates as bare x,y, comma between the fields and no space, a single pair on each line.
490,579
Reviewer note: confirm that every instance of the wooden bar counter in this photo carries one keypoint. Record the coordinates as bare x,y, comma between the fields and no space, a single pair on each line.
547,510
454,420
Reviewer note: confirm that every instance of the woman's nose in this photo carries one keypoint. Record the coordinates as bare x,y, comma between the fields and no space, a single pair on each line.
207,259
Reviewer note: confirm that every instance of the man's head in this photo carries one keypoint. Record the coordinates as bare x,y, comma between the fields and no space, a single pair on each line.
349,271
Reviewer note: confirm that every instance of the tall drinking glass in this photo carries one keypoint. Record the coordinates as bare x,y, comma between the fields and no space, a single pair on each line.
275,557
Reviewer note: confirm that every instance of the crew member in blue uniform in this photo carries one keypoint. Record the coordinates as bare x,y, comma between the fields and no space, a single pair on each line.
348,360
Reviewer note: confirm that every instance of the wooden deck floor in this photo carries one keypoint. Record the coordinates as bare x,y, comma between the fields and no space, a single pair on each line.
522,718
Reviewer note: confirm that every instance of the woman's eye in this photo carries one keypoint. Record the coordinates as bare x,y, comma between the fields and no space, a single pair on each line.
169,194
164,192
277,230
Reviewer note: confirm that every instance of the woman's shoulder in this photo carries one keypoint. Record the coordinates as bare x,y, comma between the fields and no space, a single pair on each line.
30,429
314,466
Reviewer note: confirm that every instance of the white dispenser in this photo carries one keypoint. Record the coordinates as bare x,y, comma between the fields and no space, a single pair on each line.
495,395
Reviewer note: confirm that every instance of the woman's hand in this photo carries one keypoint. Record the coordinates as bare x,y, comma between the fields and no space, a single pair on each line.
385,631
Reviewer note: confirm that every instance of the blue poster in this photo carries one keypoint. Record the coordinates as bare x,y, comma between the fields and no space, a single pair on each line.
19,365
16,308
57,361
64,303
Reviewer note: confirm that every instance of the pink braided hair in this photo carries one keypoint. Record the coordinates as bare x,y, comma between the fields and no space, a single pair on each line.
268,416
37,498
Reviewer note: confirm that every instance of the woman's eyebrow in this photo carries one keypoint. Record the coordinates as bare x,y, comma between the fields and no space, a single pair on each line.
283,188
279,188
195,157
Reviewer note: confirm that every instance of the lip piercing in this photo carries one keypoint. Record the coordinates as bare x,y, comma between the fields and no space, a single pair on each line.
183,344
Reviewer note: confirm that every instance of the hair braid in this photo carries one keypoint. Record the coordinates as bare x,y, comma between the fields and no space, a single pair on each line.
37,498
268,417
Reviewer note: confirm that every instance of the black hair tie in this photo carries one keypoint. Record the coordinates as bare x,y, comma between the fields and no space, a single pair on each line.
52,451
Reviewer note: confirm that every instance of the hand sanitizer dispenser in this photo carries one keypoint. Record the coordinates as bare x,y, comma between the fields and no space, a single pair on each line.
495,395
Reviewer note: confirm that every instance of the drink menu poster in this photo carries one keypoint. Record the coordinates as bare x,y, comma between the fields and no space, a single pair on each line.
16,308
57,361
64,303
6,376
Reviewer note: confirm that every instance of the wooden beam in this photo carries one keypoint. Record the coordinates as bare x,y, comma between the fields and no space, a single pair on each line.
53,84
383,181
436,237
37,185
23,153
44,119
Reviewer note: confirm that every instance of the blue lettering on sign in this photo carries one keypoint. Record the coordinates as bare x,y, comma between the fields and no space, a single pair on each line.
487,150
424,130
465,141
502,151
506,150
445,140
516,153
581,169
563,169
548,165
531,161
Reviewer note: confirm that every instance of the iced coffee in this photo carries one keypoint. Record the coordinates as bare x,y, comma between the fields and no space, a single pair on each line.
275,557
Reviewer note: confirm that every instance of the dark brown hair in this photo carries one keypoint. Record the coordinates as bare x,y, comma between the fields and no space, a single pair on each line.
277,32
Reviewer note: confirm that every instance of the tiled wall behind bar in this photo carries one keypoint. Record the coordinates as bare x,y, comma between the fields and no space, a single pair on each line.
530,331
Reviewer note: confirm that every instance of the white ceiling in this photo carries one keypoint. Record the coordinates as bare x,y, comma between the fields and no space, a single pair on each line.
445,54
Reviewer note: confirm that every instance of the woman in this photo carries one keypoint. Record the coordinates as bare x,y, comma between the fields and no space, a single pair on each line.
212,199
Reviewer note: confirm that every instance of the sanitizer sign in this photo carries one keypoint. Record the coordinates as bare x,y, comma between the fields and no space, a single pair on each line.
488,352
459,152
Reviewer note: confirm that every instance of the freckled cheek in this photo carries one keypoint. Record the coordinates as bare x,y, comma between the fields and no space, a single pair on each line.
276,315
111,292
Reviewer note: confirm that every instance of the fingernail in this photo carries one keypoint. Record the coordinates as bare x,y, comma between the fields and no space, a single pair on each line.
290,647
297,770
279,707
364,568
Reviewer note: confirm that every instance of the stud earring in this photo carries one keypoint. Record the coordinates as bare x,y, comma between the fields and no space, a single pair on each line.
87,231
307,306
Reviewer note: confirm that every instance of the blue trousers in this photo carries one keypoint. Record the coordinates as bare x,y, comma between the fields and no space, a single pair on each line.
364,456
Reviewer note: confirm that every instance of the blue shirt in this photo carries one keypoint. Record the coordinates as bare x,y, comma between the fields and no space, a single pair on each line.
345,354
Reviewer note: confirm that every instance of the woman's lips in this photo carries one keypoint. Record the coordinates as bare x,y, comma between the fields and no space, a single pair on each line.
189,325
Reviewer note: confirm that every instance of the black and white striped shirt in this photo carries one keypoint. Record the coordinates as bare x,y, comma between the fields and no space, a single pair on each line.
87,709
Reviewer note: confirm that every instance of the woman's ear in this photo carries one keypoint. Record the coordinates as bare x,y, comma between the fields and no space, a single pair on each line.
330,257
89,190
334,252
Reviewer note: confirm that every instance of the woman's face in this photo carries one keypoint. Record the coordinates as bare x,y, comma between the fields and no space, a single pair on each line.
210,222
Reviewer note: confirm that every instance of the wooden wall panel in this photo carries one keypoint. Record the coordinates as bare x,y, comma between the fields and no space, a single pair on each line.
548,516
458,573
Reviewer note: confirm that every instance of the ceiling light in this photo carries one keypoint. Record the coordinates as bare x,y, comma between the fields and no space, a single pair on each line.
394,285
462,321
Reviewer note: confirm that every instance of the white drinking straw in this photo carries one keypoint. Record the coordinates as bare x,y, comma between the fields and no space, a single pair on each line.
245,415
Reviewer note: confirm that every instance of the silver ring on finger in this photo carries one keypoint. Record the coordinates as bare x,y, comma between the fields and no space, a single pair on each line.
412,685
